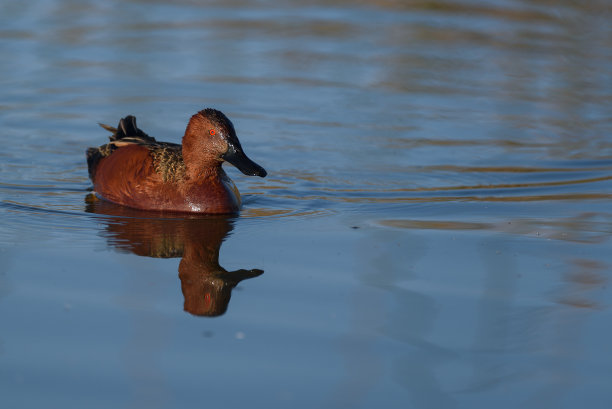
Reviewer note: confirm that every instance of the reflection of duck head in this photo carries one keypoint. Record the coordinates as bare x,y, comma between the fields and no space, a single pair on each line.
206,286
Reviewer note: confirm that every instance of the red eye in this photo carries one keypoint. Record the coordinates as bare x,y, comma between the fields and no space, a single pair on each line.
212,132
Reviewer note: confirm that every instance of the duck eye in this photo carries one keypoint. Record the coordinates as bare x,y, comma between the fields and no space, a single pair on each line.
212,132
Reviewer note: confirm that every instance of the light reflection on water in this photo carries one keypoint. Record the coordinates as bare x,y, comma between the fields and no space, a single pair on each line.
434,229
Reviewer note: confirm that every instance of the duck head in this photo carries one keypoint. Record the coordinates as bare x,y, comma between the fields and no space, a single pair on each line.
210,137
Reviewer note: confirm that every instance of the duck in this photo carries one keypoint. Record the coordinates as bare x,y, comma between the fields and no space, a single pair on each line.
137,171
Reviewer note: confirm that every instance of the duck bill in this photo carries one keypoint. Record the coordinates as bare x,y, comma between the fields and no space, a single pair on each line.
236,157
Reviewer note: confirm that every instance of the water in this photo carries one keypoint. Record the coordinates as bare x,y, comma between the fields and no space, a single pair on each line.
434,231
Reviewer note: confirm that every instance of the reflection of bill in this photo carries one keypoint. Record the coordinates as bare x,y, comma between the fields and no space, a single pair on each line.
206,286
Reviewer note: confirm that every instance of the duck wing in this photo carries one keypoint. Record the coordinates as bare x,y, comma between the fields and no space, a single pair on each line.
167,156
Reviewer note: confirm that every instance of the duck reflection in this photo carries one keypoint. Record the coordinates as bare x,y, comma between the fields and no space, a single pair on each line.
206,286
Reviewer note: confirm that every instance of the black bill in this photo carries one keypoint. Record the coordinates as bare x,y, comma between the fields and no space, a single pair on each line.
236,157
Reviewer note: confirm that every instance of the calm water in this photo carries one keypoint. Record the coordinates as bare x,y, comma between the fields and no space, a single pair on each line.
434,231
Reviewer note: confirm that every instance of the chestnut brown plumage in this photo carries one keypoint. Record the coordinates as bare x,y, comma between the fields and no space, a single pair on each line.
135,170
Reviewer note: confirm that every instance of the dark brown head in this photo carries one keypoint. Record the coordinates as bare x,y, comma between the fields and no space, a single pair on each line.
210,138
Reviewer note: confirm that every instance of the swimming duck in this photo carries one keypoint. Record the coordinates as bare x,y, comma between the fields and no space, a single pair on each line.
135,170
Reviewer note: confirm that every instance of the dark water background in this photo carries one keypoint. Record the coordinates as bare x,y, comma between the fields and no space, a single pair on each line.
434,231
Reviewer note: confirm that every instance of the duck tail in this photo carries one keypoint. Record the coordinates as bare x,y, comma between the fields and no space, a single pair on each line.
127,129
93,158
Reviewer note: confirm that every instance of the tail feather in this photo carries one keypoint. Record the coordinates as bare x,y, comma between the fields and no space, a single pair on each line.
108,128
127,129
93,157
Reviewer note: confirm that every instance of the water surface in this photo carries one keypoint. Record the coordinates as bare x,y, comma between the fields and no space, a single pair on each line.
434,230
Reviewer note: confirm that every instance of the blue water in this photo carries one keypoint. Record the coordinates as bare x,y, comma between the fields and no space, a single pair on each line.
434,230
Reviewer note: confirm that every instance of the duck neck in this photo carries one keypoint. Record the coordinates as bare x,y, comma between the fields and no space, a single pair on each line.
200,160
197,168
